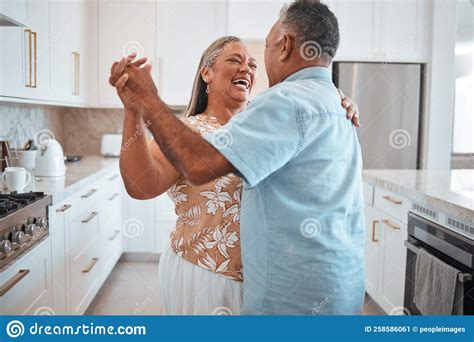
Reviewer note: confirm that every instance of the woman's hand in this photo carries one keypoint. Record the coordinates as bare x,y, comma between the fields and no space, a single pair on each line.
130,93
352,111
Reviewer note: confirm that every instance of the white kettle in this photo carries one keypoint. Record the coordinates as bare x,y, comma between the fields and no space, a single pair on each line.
50,160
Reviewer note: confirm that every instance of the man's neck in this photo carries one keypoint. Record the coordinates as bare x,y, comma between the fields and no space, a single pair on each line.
299,64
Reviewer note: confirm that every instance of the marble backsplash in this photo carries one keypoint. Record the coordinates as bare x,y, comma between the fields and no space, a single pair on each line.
78,130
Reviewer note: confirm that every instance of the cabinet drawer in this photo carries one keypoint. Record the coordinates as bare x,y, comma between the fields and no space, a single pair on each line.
392,204
84,200
85,277
111,250
26,285
368,191
82,232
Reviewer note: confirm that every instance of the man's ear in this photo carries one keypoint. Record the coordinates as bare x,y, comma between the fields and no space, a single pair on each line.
286,47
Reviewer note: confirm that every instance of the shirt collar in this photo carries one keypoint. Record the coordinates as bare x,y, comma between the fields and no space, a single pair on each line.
311,72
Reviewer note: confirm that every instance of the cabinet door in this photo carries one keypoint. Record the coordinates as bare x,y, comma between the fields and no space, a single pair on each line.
180,44
32,289
13,61
57,228
60,49
83,52
373,252
252,19
138,228
38,23
392,270
124,27
15,9
404,29
359,22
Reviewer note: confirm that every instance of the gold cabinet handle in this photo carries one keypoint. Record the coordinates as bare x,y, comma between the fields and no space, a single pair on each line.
76,73
91,265
113,237
113,177
114,196
388,198
30,62
89,194
391,225
13,281
90,217
63,208
373,230
35,59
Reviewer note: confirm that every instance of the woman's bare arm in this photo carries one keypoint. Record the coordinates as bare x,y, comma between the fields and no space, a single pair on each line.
145,170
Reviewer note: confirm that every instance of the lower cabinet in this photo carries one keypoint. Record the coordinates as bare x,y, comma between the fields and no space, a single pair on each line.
26,286
87,242
385,258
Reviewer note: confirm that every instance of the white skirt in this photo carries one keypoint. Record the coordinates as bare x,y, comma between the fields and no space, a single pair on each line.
187,289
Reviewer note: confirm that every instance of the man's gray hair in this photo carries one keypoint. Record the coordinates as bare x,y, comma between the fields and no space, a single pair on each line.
314,26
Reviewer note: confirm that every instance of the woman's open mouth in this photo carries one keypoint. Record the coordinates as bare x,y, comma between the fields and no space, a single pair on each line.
242,83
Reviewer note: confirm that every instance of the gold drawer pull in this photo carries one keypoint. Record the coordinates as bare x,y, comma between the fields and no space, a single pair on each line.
63,208
373,230
89,194
113,177
90,217
113,237
391,225
13,281
114,196
91,265
388,198
35,60
30,59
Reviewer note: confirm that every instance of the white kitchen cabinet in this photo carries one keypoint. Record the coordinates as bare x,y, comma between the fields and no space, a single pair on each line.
32,290
393,264
385,253
138,225
83,52
382,31
252,20
25,63
124,27
373,253
60,50
184,30
15,9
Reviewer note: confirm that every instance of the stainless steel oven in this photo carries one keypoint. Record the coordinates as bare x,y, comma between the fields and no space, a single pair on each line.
448,246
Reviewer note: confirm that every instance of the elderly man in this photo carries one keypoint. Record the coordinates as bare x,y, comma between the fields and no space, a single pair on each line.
302,226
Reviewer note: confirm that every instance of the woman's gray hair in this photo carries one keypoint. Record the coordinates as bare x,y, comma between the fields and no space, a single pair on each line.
198,102
315,27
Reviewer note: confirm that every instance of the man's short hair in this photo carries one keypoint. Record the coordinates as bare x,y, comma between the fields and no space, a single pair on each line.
315,28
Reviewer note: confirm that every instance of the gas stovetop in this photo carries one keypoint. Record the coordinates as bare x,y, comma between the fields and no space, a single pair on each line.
10,203
23,223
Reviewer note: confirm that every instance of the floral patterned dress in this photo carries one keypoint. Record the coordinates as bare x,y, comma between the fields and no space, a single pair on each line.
207,228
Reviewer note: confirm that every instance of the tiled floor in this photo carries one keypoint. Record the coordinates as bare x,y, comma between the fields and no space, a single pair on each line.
132,289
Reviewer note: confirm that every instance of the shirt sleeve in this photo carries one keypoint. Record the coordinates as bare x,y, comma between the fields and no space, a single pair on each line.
261,139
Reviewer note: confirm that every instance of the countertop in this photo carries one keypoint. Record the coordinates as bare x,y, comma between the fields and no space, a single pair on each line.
451,191
78,175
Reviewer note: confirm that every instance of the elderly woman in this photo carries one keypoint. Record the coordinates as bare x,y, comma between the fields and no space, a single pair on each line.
201,272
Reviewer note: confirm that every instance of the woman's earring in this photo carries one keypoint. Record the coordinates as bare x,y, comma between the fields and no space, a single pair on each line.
208,90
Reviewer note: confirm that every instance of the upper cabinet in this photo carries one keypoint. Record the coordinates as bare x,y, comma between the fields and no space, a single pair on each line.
185,29
382,30
124,27
252,20
15,9
64,52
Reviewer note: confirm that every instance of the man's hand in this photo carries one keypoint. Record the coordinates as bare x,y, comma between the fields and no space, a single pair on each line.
133,82
351,109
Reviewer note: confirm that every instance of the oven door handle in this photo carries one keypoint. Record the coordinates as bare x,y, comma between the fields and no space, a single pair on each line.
462,277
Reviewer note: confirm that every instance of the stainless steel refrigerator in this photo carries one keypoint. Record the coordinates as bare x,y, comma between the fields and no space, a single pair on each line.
389,100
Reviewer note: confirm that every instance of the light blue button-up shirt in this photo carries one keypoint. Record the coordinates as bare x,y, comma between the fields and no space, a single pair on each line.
302,224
